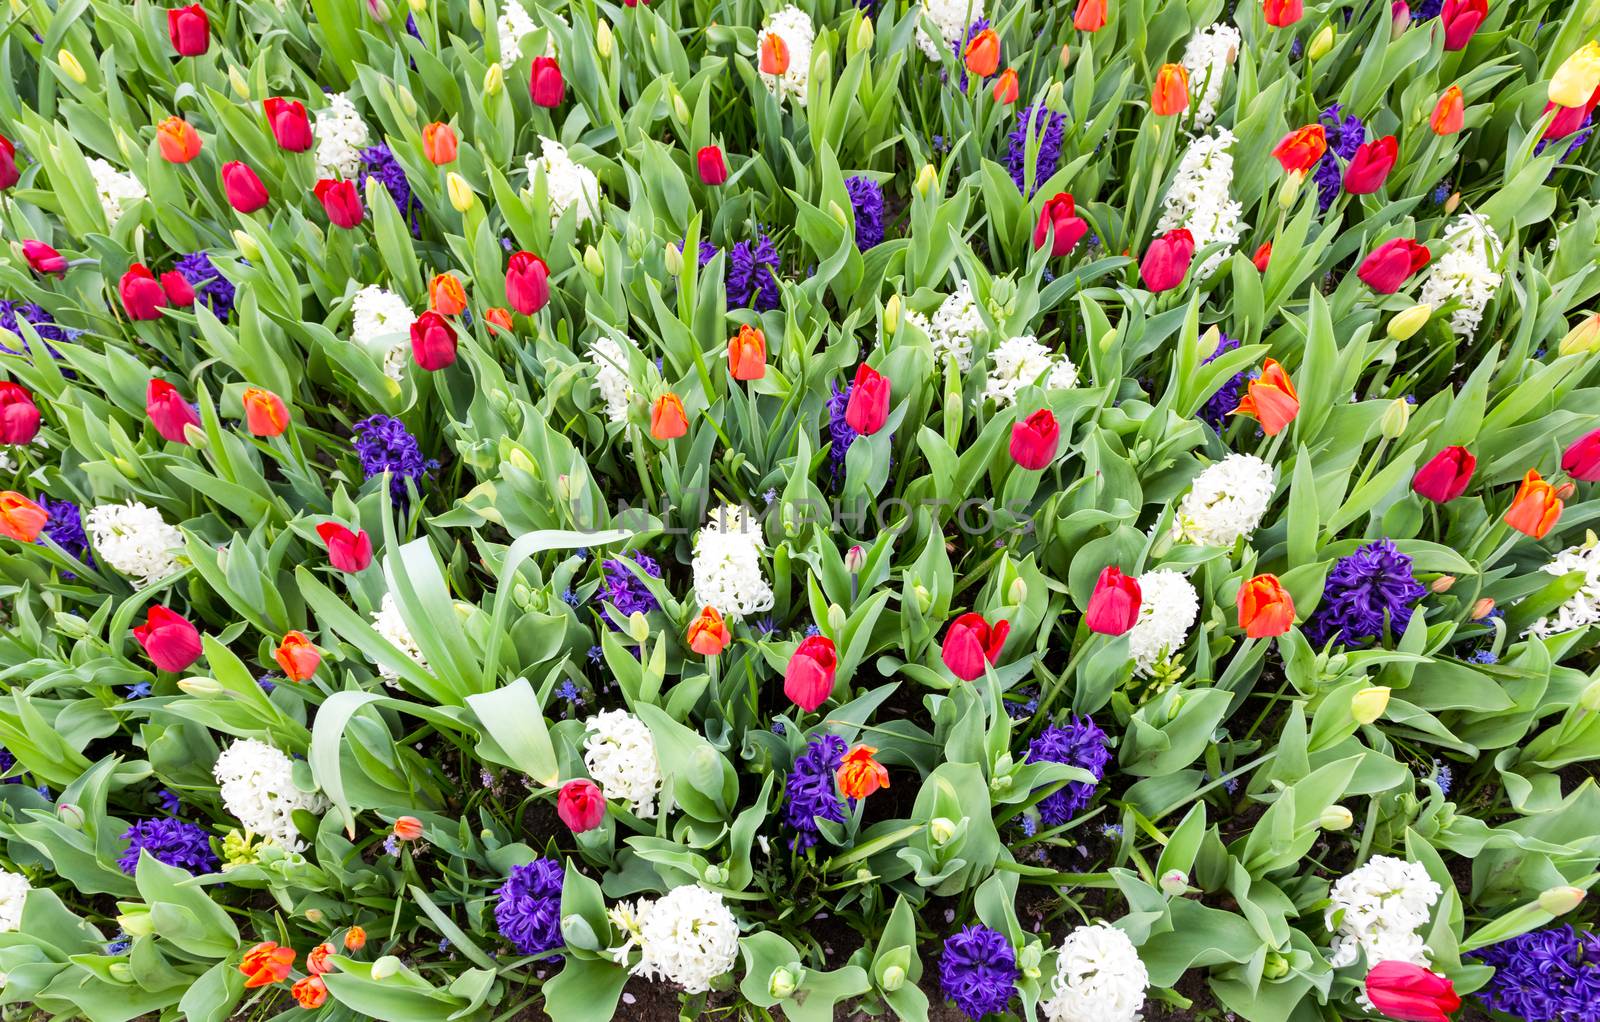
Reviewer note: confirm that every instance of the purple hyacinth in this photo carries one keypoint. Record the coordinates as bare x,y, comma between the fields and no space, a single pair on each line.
751,277
1226,399
65,527
7,761
960,47
1081,744
1578,138
211,288
1345,135
528,909
1048,129
839,431
173,842
1550,975
1366,591
811,791
624,590
383,445
1426,9
866,200
36,316
378,161
978,971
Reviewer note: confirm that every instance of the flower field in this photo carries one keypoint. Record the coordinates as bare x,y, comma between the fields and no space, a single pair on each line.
926,509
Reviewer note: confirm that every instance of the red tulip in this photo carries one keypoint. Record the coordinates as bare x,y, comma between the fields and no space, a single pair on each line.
1114,604
1536,508
1060,225
179,292
1271,399
1461,19
142,296
1006,89
1450,113
297,657
1166,261
433,341
1369,168
1388,265
580,805
439,144
1411,993
168,411
1446,476
1302,148
868,407
244,189
1569,119
808,680
42,258
971,642
1035,440
341,201
1282,13
545,83
1090,16
169,640
527,283
264,412
713,168
1581,461
289,123
347,551
1265,607
19,416
20,518
1263,257
189,29
9,174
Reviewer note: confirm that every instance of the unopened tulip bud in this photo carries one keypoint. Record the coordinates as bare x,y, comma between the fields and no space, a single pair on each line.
1400,20
674,260
1209,342
862,38
386,967
247,246
781,985
1443,584
237,82
203,688
1065,56
855,559
1174,882
137,923
1404,325
1395,418
1321,43
70,815
638,627
891,315
408,102
1291,188
475,14
680,109
1055,97
836,618
924,598
519,460
71,66
927,180
716,876
592,261
313,915
1275,966
376,191
462,197
940,830
1589,698
839,215
1017,595
894,977
1107,339
494,80
1482,609
1584,337
1558,901
1368,704
1336,818
122,972
604,42
1452,202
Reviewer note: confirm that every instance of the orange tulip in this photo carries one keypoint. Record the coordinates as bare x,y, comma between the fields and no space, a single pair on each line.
1005,87
446,296
860,775
297,657
439,144
310,992
1090,16
178,140
774,54
266,963
1302,148
1535,508
264,412
667,419
1270,398
747,354
1265,607
983,53
355,939
708,634
1451,112
317,959
408,828
20,518
1171,93
499,317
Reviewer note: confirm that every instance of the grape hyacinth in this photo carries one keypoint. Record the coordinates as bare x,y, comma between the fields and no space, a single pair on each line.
378,161
211,288
1048,129
1219,405
384,445
866,200
812,792
1081,744
528,907
1366,591
1345,134
978,971
173,842
1549,975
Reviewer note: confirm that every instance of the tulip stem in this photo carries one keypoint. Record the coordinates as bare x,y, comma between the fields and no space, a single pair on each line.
1045,700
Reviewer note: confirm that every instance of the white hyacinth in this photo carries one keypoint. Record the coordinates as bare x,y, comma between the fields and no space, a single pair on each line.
1207,57
1022,362
341,134
258,789
568,185
727,564
611,379
620,753
687,936
954,326
116,189
1377,909
1099,977
134,539
1226,501
1582,607
951,18
793,26
14,888
1464,272
513,24
1198,199
380,321
387,622
1168,606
